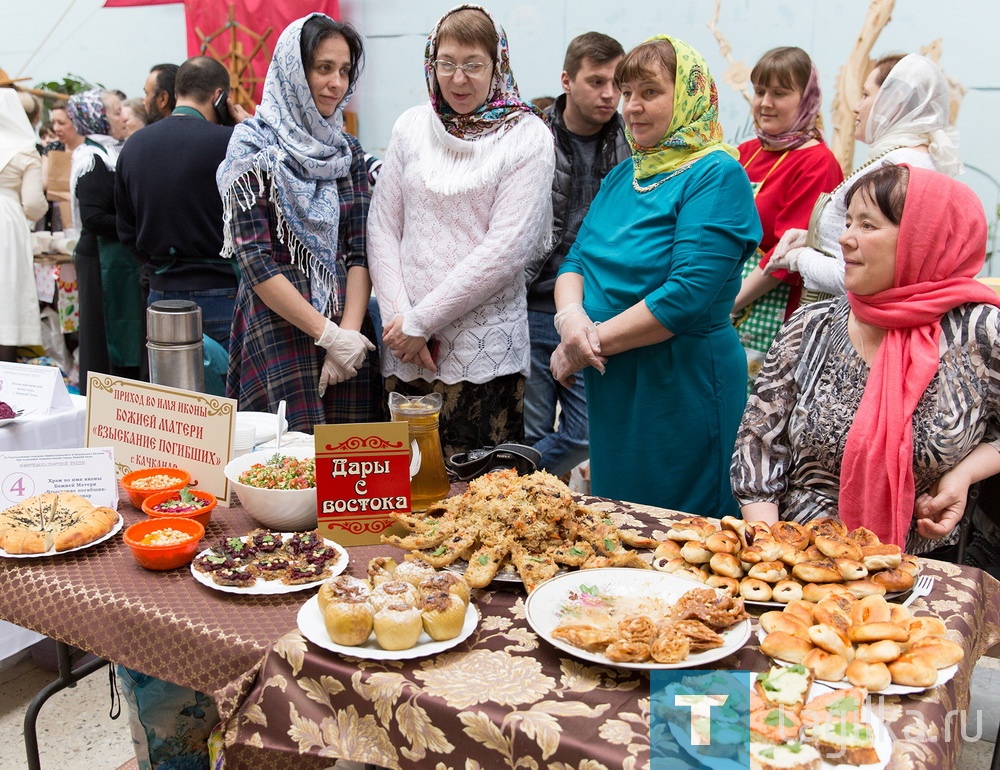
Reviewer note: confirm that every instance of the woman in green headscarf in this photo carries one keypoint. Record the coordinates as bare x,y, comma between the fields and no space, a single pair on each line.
643,298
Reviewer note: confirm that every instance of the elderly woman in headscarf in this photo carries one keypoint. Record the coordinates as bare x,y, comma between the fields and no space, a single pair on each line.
903,118
883,407
789,165
463,202
645,293
295,194
112,311
21,200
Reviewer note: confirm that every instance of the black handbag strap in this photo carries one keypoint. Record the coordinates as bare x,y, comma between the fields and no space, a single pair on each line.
469,465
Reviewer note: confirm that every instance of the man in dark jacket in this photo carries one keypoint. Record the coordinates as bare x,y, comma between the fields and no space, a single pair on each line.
169,210
590,141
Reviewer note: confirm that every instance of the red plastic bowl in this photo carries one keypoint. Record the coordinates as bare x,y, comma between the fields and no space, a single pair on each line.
202,515
164,556
137,494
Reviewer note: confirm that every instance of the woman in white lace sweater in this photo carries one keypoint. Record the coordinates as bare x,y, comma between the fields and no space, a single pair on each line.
463,201
903,117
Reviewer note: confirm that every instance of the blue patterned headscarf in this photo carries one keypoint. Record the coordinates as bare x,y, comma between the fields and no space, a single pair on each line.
303,154
87,112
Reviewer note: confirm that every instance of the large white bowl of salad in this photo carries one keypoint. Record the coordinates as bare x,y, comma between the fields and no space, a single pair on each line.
277,489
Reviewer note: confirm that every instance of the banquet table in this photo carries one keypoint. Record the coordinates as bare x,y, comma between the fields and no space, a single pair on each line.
504,697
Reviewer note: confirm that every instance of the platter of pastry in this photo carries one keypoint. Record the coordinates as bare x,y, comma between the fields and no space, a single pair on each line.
399,612
637,619
847,642
774,565
264,562
54,523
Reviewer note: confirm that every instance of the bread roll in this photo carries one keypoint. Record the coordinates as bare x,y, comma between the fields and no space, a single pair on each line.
838,548
871,609
667,549
398,626
835,618
940,652
763,549
863,588
863,537
737,526
726,564
816,592
908,563
727,584
825,526
783,646
792,533
825,665
872,676
828,638
801,609
776,620
881,556
819,571
925,625
785,591
724,541
884,651
768,571
692,572
876,632
900,614
851,569
691,528
790,555
348,622
894,580
755,590
912,669
696,552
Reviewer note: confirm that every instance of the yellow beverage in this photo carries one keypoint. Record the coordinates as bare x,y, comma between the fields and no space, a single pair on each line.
428,477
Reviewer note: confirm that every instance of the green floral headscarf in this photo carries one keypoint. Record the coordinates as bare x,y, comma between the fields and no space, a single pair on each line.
694,129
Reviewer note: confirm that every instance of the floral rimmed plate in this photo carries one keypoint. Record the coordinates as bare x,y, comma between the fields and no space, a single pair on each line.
566,598
313,628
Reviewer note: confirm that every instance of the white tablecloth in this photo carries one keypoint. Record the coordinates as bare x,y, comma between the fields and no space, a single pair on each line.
63,429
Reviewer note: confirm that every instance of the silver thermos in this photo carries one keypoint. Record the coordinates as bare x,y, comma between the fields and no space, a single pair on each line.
176,354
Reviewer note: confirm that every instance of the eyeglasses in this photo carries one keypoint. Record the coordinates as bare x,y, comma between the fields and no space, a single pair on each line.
472,69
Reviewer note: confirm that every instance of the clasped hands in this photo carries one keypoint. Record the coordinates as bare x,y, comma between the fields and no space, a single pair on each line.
409,350
580,346
346,350
785,255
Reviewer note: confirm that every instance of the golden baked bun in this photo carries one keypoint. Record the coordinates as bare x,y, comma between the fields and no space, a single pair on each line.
724,541
776,620
913,670
755,590
696,552
851,569
940,652
394,592
762,549
830,615
340,588
825,526
908,563
894,580
667,549
872,676
792,533
876,632
816,592
768,571
691,528
673,564
881,556
790,555
819,571
445,581
827,637
693,572
727,584
838,548
413,570
381,569
825,665
398,626
884,651
871,609
801,609
785,591
900,614
863,537
735,525
443,615
863,588
786,647
348,622
925,625
726,564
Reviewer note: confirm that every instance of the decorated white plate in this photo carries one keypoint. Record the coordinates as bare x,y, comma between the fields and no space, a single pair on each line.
944,675
267,587
313,628
561,599
52,552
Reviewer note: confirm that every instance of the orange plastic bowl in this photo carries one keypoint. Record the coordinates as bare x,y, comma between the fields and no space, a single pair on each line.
136,494
164,556
203,515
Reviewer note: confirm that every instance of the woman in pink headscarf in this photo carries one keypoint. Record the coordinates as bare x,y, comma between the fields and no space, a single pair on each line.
882,407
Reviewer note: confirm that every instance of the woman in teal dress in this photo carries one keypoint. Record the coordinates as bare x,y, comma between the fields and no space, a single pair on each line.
644,295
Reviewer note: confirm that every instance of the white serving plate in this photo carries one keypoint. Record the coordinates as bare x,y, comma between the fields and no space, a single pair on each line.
544,604
52,552
265,425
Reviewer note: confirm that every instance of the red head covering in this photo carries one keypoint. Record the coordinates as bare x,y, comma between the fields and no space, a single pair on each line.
941,247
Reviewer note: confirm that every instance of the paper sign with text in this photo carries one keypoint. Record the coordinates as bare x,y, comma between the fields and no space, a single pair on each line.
154,426
88,472
33,389
362,476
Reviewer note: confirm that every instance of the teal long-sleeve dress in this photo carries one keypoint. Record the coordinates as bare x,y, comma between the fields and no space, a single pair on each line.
663,418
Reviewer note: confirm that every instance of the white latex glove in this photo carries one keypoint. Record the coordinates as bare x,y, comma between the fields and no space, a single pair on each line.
580,342
348,347
788,261
333,372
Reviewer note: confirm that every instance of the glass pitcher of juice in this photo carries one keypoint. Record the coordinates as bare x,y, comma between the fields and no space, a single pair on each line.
428,477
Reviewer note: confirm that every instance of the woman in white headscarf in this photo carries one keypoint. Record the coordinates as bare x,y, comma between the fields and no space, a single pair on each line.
21,200
296,197
903,117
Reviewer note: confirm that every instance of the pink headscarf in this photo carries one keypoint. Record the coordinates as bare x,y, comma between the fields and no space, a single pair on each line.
803,127
941,247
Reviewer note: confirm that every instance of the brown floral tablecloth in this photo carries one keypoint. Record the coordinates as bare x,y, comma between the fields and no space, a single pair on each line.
505,698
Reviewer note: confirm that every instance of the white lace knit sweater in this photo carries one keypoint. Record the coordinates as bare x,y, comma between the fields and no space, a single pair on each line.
451,227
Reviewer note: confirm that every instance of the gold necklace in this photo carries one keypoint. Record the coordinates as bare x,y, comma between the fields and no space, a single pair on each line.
640,189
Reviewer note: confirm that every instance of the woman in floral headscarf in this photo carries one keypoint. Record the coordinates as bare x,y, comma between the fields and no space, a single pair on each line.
112,310
462,203
789,166
296,197
657,265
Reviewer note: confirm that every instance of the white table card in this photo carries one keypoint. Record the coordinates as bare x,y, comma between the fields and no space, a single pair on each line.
89,473
34,389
